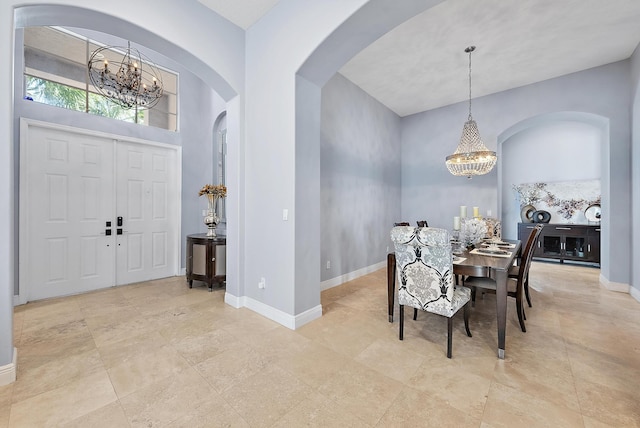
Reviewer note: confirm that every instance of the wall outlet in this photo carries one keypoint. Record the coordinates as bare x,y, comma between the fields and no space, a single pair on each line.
262,283
328,264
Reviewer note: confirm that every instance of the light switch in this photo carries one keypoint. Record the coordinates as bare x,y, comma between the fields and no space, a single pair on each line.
285,214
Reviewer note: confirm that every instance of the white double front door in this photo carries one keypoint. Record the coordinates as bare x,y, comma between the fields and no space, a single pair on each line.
95,212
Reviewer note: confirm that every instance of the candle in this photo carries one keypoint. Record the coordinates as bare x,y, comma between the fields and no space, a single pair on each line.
476,212
456,223
463,211
488,213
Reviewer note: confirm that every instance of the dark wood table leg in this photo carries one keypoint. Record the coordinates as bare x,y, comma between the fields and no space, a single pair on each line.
391,282
501,309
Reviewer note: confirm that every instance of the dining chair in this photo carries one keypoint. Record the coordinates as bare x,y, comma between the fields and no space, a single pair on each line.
515,286
515,270
403,223
423,223
424,265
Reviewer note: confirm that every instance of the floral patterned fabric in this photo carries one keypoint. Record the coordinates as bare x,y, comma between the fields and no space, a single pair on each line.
425,267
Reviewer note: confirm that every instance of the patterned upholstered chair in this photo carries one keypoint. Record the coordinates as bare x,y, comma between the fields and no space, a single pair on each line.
424,267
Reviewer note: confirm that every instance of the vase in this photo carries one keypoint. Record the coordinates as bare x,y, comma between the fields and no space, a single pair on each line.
211,218
526,213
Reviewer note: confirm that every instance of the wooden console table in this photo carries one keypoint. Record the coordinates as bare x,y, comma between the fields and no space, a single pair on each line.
565,242
206,259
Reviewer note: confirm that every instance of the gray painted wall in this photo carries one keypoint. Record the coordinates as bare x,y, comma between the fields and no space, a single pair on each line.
428,137
635,162
359,176
577,149
198,108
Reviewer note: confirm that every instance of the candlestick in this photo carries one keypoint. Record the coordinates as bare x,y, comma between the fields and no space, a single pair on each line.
456,223
463,211
476,212
488,213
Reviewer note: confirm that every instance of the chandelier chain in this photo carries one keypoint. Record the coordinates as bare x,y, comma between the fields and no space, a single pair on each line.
470,50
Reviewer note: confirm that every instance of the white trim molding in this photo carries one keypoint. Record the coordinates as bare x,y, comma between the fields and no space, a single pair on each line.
8,371
614,286
290,321
635,293
333,282
296,321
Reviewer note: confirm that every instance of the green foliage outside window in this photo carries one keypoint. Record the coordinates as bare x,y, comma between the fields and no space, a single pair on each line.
59,95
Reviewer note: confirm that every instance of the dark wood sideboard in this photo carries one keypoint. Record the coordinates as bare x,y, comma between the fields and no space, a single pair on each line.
206,259
565,242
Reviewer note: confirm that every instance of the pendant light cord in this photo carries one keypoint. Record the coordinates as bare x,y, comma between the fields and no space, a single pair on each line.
470,50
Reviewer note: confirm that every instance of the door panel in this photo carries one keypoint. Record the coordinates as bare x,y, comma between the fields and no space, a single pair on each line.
68,191
146,195
71,185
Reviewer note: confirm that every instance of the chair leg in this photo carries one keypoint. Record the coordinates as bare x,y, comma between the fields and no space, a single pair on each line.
473,297
415,314
526,290
401,321
449,334
466,318
520,311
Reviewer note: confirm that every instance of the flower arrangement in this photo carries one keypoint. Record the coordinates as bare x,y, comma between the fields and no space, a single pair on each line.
472,230
218,190
213,192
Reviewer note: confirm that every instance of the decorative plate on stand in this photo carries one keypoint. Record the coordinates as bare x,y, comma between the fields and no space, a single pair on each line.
526,213
592,213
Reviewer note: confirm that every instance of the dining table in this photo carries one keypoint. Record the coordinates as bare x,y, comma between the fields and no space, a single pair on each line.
473,263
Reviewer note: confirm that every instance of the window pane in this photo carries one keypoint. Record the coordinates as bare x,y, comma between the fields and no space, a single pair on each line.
56,74
55,94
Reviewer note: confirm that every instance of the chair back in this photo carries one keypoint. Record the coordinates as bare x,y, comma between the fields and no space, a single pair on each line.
527,254
424,266
402,223
423,223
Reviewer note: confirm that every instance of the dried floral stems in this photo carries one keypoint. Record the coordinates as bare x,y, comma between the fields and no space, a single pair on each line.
218,190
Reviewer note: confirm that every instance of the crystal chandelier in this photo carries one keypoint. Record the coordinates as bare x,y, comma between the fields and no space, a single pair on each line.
133,81
471,157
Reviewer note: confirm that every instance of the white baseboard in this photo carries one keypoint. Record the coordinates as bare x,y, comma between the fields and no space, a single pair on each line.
614,286
333,282
635,293
182,272
8,371
290,321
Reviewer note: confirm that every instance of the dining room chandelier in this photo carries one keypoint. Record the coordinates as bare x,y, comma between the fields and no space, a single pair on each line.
471,157
130,80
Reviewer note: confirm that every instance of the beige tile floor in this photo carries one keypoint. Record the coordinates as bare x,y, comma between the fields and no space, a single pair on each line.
159,354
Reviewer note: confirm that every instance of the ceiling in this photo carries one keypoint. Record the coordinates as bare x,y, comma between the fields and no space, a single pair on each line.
421,64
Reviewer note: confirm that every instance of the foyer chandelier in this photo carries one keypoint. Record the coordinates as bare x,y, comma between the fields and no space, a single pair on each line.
471,157
131,81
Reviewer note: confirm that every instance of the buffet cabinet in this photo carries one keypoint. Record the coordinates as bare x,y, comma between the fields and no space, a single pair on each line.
206,259
570,242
